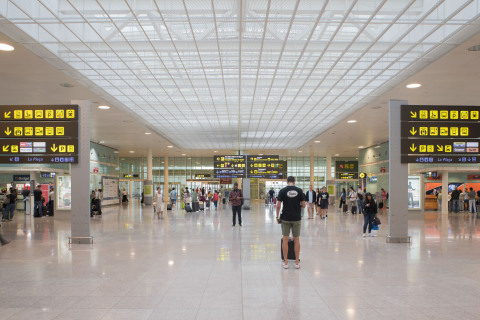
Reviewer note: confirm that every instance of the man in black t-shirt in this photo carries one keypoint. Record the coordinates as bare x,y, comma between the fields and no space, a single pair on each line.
37,197
293,200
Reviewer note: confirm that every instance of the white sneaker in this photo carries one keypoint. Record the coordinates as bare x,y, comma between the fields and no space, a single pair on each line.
297,265
364,235
374,234
370,235
285,266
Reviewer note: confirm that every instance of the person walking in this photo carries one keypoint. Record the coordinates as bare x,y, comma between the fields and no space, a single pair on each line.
215,199
124,197
343,198
310,200
159,203
472,207
293,201
173,197
226,196
369,214
352,195
9,205
317,202
187,197
271,194
195,205
236,198
25,194
384,196
324,201
455,197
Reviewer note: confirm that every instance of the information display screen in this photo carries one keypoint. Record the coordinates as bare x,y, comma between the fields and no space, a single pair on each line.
346,166
230,166
347,175
273,169
39,134
451,131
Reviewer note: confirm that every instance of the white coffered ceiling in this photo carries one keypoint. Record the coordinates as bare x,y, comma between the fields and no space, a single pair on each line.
240,74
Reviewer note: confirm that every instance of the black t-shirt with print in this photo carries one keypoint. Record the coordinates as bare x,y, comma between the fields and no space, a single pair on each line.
323,197
291,198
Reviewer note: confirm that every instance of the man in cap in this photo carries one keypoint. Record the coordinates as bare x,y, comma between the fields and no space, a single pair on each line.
236,198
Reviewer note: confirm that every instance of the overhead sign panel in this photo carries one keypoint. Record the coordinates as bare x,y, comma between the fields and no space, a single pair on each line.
274,169
251,166
234,166
452,131
47,134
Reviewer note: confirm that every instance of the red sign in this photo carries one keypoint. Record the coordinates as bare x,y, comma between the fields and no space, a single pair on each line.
473,177
225,180
383,169
95,169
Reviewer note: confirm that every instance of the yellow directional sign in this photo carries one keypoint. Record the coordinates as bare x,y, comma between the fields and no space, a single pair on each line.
454,131
430,148
5,148
49,131
70,113
7,115
464,115
433,114
423,114
474,115
59,114
423,131
59,131
422,148
62,148
453,114
448,148
49,114
439,148
434,131
18,131
54,148
413,115
413,131
39,131
14,149
413,148
38,114
18,114
444,114
464,131
8,131
70,148
444,131
28,114
29,131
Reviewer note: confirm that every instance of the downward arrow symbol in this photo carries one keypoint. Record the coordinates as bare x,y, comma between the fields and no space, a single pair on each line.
53,148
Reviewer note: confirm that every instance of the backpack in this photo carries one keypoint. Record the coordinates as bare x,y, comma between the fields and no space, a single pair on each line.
6,200
360,196
387,195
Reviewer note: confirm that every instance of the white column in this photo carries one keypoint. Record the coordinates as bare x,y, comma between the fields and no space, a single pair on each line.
328,164
422,191
81,177
312,169
398,182
165,181
148,184
445,192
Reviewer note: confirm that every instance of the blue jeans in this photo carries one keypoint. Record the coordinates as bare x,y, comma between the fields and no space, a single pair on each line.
39,204
455,205
237,210
8,211
368,221
360,206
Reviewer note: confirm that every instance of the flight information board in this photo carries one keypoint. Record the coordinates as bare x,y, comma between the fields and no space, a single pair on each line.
39,134
440,134
230,166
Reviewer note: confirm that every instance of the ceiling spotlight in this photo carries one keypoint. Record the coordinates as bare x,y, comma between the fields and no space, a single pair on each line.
169,146
215,151
104,107
361,147
300,151
352,121
101,141
183,154
116,151
131,151
148,133
413,85
6,47
317,141
337,154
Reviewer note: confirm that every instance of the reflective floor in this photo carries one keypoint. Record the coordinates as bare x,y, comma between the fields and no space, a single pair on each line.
196,266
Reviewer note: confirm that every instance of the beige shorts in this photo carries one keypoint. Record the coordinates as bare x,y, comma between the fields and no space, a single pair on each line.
310,205
293,225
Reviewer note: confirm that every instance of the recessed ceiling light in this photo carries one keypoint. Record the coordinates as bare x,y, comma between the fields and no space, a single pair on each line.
376,147
183,154
148,133
6,47
337,154
260,154
317,141
116,151
215,151
131,151
352,121
101,141
361,147
413,85
104,107
474,48
169,146
300,151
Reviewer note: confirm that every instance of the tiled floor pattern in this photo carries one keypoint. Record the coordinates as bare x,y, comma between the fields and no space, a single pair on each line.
196,266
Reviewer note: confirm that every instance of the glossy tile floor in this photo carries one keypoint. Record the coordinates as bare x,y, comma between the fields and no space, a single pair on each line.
196,266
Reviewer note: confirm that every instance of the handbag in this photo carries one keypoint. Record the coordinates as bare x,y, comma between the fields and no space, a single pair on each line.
375,227
377,221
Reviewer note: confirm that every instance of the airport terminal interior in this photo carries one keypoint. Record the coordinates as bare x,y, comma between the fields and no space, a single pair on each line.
128,127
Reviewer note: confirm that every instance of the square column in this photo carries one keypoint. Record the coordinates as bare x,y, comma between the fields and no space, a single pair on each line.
398,180
445,192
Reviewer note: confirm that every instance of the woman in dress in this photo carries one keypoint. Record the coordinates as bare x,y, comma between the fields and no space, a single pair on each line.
159,203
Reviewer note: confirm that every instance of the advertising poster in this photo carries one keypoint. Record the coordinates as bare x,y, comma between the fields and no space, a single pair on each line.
110,191
414,192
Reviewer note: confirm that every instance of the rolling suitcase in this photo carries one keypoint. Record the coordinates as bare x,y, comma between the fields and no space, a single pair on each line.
208,204
345,207
223,200
195,206
291,249
169,206
188,208
354,209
